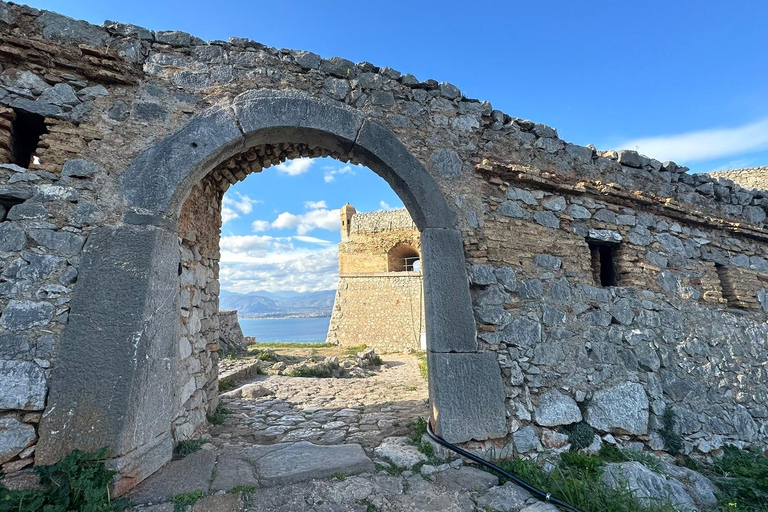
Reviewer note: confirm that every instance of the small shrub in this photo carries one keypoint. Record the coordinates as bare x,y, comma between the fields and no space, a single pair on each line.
580,435
184,448
226,385
419,428
309,371
267,356
339,477
352,351
672,440
376,360
186,499
78,482
219,415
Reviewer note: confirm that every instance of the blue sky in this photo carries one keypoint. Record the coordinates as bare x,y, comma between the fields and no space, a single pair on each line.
685,80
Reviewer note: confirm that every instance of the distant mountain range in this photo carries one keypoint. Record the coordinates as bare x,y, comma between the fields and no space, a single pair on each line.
265,304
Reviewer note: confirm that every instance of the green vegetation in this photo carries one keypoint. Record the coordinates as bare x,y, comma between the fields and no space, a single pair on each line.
576,480
411,388
267,356
79,482
184,448
226,385
185,499
423,366
219,415
580,435
742,476
672,440
245,489
289,344
339,477
352,351
310,371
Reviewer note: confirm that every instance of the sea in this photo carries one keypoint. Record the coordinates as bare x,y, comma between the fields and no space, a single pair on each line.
300,330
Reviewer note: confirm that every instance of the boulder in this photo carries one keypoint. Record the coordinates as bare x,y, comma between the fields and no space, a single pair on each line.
556,409
399,452
649,487
620,409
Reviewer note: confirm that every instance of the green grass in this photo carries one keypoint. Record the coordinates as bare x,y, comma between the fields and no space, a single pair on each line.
742,477
309,371
186,499
411,388
352,351
184,448
267,356
219,415
290,344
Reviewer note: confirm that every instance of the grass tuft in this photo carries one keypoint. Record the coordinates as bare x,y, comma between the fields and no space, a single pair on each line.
310,371
219,415
186,499
188,447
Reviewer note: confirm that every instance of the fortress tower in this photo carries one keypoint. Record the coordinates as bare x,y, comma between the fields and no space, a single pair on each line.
379,300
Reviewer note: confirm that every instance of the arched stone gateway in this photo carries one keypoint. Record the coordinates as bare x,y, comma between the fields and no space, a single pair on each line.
122,327
563,284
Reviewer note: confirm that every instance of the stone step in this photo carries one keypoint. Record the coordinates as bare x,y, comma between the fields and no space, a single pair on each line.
258,466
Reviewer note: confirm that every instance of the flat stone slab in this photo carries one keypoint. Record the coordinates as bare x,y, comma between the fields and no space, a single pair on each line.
190,474
305,461
466,479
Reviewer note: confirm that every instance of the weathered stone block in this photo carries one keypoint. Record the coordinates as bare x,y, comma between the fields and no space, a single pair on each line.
14,437
24,386
556,409
467,396
620,409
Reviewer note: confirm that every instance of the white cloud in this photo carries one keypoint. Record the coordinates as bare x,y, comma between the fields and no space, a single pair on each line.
314,205
260,225
384,206
296,166
233,204
262,265
704,144
228,214
311,240
331,172
304,223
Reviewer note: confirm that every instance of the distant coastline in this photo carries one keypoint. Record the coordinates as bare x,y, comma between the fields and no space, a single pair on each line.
277,316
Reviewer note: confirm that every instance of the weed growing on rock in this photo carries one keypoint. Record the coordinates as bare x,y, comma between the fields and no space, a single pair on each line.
184,448
186,499
423,366
742,476
672,440
580,435
219,415
80,481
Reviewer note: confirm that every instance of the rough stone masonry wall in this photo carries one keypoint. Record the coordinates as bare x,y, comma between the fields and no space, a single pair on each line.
617,357
753,177
197,373
107,94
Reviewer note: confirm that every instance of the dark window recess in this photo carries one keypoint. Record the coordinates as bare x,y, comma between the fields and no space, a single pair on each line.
27,129
604,263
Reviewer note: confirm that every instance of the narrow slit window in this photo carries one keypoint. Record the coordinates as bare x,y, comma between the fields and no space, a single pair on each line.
604,263
27,128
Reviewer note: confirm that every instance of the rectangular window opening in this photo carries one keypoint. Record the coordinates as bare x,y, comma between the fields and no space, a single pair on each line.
604,263
27,128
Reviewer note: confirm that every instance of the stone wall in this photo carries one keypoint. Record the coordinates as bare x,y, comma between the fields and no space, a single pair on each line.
382,311
753,177
231,337
684,326
196,388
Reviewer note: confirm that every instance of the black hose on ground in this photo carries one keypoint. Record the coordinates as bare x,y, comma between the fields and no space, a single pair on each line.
493,467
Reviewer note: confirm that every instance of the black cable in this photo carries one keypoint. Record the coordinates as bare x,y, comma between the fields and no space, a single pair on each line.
493,467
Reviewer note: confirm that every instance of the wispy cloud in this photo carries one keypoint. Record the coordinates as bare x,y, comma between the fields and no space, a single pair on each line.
311,240
331,172
384,206
314,205
704,145
296,166
306,222
233,204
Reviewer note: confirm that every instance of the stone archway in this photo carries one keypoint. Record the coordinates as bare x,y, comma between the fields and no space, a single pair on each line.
112,385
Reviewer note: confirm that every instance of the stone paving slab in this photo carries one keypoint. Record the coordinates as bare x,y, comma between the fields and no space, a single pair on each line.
305,461
190,474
